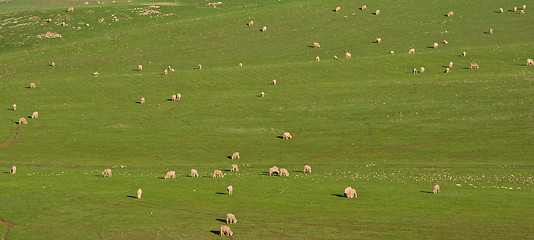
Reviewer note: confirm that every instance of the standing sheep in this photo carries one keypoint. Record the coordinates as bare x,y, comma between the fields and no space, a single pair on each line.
447,70
71,9
491,31
95,74
436,45
35,115
165,72
22,121
501,10
140,68
274,170
53,64
230,189
450,64
377,12
194,173
274,81
463,54
307,168
449,14
414,71
522,11
250,23
13,170
317,59
106,172
14,107
445,42
515,9
337,9
234,168
262,94
178,97
240,64
284,172
363,7
335,57
32,85
378,40
139,192
235,155
287,135
230,218
225,231
347,191
199,66
142,100
422,70
352,193
524,7
218,174
348,55
473,65
170,174
436,189
264,29
412,50
173,98
529,62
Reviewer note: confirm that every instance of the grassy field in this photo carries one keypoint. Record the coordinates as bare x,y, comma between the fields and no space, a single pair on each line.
365,122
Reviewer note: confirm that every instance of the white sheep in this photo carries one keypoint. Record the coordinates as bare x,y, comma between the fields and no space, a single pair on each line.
316,45
240,64
337,9
348,55
352,193
422,70
35,115
414,71
392,52
450,13
412,50
274,170
107,172
524,7
173,98
529,62
230,189
450,64
143,100
53,64
262,94
170,174
436,189
71,9
378,40
447,70
230,218
14,107
284,172
95,74
264,29
335,57
22,121
13,170
501,10
317,59
515,9
286,135
139,192
377,12
307,168
199,66
32,85
194,173
234,168
140,68
473,65
218,174
363,7
235,155
522,11
178,97
436,45
347,191
445,42
225,231
274,81
491,31
463,54
250,23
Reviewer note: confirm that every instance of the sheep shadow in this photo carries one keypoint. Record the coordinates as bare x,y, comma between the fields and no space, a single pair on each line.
281,137
28,87
298,171
161,177
311,46
430,47
8,172
138,102
220,193
131,196
360,8
374,13
487,33
338,195
169,99
218,233
426,192
226,170
221,220
229,157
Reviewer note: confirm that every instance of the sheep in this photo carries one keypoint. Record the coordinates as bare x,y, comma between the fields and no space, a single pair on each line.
250,23
230,189
274,170
230,218
316,45
335,57
436,45
491,31
170,174
35,115
515,9
317,59
142,100
414,71
71,9
139,192
337,9
234,168
307,168
194,173
412,50
445,42
199,66
352,193
450,64
284,172
240,64
178,97
218,174
165,72
235,155
95,74
32,85
140,68
13,170
225,231
173,98
463,54
522,11
392,52
262,94
106,172
377,12
363,7
378,40
501,10
422,70
14,107
449,14
274,81
264,29
473,65
348,55
436,189
53,64
447,70
524,7
347,191
85,3
529,62
22,121
286,135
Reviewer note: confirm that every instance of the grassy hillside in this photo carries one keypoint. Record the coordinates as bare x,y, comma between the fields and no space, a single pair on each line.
365,122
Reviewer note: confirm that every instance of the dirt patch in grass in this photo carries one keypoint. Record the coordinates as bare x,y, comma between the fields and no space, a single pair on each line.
8,226
163,4
4,144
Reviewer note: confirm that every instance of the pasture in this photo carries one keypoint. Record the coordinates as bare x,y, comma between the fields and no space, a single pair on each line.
367,122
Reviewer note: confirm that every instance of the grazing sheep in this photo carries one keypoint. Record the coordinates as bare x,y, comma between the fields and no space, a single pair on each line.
284,172
436,45
287,135
524,7
412,50
307,168
352,193
240,64
529,62
335,58
230,189
140,68
522,11
347,191
143,100
473,65
317,59
107,172
194,173
250,23
414,71
392,52
173,98
14,107
501,10
274,81
139,192
450,14
71,9
445,42
491,31
22,121
165,72
262,94
274,170
35,115
32,85
53,64
170,174
377,12
199,66
178,97
363,7
218,174
337,9
515,9
316,45
235,155
463,54
348,55
450,64
436,189
422,70
225,231
96,74
13,170
264,29
234,168
230,218
447,70
378,40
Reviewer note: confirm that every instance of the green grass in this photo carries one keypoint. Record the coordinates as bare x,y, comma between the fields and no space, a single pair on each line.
367,122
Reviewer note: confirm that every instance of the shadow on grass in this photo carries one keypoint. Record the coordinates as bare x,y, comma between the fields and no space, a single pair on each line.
221,220
338,195
161,177
426,192
281,137
299,171
220,193
131,196
216,232
229,157
138,102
